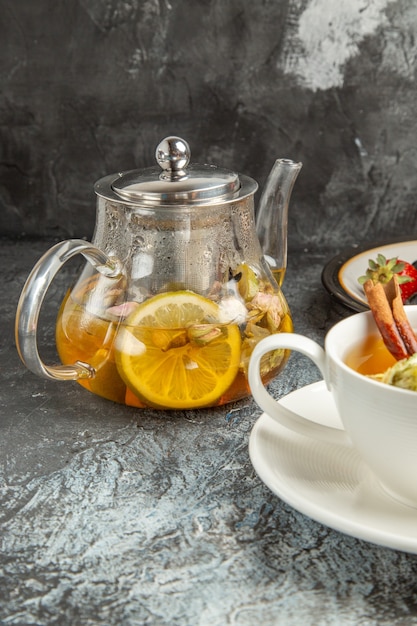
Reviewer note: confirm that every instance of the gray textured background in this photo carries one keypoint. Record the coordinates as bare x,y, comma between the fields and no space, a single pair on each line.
90,87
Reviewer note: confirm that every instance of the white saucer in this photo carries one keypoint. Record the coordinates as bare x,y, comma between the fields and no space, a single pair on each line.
328,483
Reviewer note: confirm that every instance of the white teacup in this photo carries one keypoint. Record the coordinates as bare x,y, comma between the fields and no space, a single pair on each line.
379,420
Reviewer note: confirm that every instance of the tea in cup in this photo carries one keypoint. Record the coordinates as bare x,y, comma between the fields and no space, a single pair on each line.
379,419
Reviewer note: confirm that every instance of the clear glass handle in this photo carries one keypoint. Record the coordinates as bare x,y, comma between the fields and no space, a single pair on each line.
32,297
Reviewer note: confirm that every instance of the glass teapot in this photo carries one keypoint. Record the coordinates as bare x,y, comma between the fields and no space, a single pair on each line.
177,290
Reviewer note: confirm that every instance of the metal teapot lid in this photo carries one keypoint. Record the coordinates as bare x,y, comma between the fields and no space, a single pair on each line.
175,181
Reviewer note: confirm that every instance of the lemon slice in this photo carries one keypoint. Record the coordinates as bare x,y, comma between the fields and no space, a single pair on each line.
172,351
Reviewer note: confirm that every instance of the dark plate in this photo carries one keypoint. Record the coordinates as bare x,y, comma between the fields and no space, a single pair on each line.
340,274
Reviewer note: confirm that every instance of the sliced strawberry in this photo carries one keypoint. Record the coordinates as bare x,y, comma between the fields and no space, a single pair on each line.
382,270
408,287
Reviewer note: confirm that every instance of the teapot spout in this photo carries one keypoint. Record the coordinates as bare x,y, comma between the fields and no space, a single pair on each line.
272,215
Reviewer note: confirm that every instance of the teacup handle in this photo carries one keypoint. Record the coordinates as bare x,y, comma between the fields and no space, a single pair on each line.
33,295
287,418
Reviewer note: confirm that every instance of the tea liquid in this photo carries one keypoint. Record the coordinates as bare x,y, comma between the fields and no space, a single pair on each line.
370,357
93,338
278,274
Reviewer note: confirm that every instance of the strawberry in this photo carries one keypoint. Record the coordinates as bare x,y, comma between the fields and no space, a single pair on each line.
382,270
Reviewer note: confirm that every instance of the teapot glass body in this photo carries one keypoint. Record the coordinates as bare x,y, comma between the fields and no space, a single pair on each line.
170,305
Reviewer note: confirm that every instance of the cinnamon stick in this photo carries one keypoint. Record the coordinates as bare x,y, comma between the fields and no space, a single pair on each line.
387,307
393,293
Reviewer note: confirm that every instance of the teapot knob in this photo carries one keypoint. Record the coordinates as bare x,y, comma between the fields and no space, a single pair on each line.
173,155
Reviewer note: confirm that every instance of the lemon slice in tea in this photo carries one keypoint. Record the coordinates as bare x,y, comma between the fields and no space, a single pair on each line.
173,353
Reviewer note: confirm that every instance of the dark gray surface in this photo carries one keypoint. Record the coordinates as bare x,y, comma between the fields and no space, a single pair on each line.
89,88
123,517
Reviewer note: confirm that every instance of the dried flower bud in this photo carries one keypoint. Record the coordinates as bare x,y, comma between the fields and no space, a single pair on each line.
202,334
